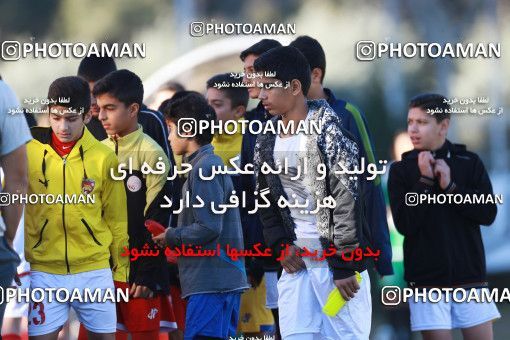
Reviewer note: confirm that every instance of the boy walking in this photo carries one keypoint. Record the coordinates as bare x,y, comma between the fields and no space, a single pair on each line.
229,104
69,245
248,57
212,284
119,97
353,120
436,166
305,284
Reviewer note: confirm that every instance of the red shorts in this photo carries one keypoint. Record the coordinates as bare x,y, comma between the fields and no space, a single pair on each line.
179,307
142,315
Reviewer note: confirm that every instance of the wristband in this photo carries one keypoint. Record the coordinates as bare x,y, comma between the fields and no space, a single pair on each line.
427,180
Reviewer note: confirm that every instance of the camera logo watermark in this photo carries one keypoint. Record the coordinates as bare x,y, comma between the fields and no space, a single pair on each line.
394,295
201,28
367,50
11,50
5,199
189,127
412,199
15,50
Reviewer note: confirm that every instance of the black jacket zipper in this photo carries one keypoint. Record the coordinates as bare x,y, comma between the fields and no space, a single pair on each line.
40,235
90,232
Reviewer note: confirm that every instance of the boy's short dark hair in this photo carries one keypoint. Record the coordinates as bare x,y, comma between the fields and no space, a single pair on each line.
261,47
191,105
288,64
172,86
432,101
93,68
313,52
124,85
177,95
73,88
237,95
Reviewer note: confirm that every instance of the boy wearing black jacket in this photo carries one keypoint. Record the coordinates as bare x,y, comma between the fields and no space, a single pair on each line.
443,246
119,97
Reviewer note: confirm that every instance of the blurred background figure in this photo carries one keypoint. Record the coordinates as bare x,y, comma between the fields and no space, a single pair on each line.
14,134
92,69
165,92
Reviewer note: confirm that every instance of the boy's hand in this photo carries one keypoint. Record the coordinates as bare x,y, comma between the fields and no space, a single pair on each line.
347,287
426,163
442,170
293,263
140,292
160,240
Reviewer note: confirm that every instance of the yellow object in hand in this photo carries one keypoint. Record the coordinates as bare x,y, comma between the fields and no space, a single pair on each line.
335,301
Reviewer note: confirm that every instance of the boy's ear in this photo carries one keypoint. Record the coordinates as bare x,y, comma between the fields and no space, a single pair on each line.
240,110
444,125
86,117
295,87
133,109
316,75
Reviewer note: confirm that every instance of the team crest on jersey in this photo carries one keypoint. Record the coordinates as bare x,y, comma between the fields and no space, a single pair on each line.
87,185
134,183
152,313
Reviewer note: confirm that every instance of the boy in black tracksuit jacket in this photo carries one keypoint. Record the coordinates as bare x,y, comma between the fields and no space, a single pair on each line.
443,244
453,230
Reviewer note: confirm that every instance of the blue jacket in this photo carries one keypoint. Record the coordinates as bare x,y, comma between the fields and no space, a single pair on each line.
202,227
354,121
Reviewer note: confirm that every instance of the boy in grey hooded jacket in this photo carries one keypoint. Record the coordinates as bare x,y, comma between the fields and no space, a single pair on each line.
213,283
